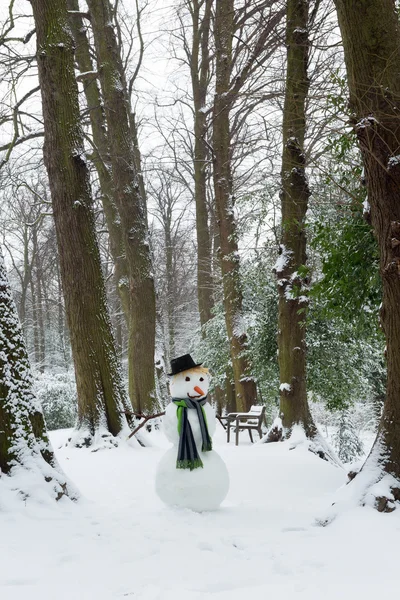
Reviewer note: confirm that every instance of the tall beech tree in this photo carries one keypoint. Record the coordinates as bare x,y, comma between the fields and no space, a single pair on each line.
254,27
101,151
290,268
245,388
101,396
24,444
131,204
200,61
371,41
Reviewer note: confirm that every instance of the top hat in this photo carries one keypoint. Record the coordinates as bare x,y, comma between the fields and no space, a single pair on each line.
182,363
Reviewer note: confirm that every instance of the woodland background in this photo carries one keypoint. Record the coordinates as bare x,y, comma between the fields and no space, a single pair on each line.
198,107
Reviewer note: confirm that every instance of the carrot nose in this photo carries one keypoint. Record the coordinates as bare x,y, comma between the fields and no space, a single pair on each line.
198,390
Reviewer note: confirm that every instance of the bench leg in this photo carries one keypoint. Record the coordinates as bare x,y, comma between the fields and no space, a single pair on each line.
228,433
251,436
260,433
237,434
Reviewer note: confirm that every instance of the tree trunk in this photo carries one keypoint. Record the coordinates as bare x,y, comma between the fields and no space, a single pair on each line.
101,153
371,41
37,304
169,274
25,279
290,268
101,396
200,73
23,437
40,317
131,207
61,326
245,388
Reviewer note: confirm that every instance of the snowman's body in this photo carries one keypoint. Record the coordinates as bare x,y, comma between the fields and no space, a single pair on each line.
199,489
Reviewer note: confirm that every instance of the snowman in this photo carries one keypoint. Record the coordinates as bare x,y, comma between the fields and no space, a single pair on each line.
191,474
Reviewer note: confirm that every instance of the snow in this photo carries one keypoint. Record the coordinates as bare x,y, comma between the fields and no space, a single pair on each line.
285,387
283,259
393,161
119,541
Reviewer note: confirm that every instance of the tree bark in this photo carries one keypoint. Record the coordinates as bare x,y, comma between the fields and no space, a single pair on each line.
101,153
290,269
200,77
37,304
131,206
101,396
371,42
245,388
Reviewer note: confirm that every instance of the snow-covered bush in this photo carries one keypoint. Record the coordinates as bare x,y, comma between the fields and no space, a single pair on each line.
56,393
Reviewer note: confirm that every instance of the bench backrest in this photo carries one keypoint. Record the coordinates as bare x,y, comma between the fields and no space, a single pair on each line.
258,412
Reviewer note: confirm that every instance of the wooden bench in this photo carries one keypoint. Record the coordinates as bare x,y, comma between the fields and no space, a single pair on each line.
241,421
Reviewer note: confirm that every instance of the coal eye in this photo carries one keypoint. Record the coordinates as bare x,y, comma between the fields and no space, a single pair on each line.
187,378
201,378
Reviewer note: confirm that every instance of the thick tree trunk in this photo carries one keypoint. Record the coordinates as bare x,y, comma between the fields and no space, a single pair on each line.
23,437
294,201
200,73
101,396
371,41
101,153
131,206
245,388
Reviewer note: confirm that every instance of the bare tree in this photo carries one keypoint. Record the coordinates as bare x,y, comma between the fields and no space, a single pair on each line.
131,205
100,392
234,67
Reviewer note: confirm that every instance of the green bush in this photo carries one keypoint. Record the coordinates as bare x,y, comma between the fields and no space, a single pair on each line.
57,395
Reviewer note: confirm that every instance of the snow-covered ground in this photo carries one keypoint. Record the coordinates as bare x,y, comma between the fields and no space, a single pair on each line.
119,541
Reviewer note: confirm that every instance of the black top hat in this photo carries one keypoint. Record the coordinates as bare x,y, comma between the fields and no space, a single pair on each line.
182,363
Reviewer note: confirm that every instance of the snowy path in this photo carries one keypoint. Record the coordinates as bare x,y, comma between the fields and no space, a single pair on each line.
121,542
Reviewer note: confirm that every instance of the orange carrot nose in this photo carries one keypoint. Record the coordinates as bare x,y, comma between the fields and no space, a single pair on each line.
198,390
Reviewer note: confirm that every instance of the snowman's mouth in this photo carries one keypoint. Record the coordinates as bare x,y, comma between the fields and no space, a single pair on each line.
193,397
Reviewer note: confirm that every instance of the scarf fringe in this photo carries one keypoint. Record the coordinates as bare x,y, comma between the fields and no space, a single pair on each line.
189,464
207,447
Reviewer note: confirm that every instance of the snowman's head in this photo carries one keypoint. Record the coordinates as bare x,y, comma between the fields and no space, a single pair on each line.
192,383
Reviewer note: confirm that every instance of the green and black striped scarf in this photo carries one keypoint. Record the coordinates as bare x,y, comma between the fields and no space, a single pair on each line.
188,456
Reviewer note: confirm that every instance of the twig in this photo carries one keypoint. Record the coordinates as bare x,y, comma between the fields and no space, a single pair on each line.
140,416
